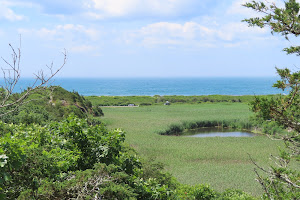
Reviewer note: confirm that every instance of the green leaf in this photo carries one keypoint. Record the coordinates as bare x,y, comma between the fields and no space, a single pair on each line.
3,160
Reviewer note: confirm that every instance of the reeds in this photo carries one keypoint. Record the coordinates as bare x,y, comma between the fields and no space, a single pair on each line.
178,129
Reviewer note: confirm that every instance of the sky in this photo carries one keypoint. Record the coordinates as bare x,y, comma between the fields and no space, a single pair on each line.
141,38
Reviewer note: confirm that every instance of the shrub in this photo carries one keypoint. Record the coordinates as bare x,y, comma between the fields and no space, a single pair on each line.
35,153
197,192
97,111
71,159
145,104
230,194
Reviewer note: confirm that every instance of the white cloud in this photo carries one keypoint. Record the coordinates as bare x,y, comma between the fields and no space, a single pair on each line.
239,30
82,48
58,7
75,38
64,32
93,34
17,3
237,8
194,34
101,9
165,31
7,13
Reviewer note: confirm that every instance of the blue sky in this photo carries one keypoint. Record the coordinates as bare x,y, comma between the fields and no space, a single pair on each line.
141,38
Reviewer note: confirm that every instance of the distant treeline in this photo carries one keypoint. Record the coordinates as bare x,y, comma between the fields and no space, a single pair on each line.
158,100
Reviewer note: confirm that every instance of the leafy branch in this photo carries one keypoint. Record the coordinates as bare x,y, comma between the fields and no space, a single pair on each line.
281,181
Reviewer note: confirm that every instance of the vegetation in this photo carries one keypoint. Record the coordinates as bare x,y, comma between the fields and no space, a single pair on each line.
9,101
178,129
281,180
72,159
57,157
159,100
221,162
51,104
45,153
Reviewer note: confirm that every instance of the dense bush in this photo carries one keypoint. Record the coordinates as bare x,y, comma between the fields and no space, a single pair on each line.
36,153
268,127
57,160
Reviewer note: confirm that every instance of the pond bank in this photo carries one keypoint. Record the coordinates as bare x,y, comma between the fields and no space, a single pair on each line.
219,126
217,132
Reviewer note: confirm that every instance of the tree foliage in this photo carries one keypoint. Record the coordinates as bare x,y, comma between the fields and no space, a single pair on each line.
33,154
282,180
284,21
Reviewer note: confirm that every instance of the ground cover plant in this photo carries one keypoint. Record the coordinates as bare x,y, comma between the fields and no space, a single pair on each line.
221,162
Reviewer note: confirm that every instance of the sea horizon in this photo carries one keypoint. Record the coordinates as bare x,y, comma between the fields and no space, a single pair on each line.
187,86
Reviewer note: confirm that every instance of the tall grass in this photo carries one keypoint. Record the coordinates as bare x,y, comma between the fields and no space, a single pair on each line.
178,129
222,162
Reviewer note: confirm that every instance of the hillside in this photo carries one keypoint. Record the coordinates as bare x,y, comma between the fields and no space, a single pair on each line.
51,104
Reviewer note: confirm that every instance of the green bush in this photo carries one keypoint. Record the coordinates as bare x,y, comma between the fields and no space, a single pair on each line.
196,192
35,153
58,160
145,104
230,194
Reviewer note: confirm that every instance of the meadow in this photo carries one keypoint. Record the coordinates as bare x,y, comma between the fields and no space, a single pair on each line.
221,162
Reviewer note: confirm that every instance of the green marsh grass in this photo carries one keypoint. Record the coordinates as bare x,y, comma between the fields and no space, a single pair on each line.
173,99
181,129
221,162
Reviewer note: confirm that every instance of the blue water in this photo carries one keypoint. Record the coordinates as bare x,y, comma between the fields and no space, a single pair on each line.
165,86
222,134
217,132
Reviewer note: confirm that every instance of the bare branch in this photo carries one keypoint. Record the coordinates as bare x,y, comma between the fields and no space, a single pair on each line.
12,76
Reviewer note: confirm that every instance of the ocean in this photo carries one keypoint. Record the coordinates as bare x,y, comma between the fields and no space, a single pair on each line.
165,86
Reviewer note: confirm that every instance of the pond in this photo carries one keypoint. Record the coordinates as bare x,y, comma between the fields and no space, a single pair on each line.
217,132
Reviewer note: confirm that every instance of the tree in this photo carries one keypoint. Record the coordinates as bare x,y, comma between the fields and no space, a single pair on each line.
282,180
9,101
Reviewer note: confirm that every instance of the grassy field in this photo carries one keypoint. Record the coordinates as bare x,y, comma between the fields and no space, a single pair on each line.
221,162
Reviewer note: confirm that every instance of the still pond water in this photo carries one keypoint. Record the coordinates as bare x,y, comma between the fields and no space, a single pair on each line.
217,132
